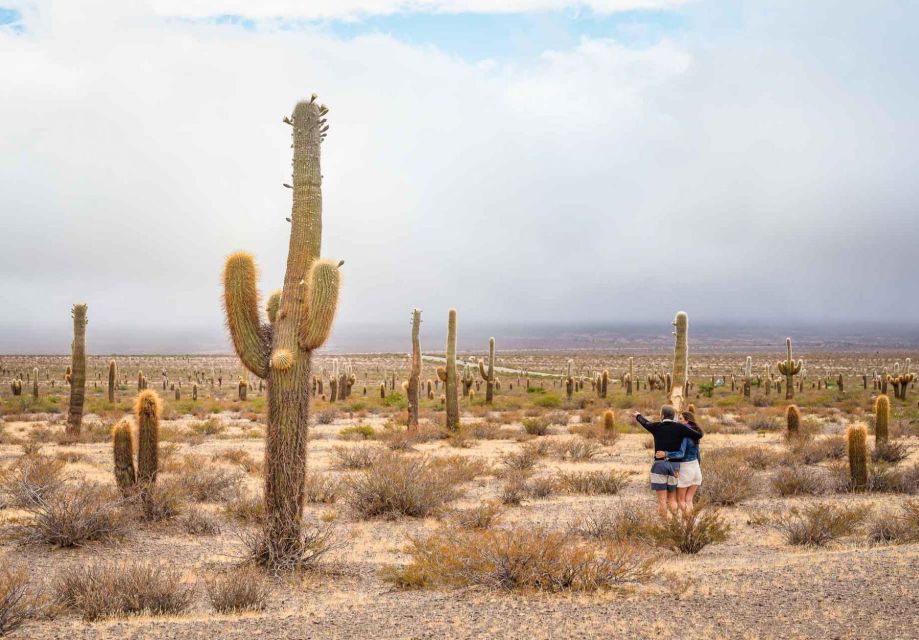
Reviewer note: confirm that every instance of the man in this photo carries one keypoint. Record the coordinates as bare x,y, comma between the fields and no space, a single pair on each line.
668,436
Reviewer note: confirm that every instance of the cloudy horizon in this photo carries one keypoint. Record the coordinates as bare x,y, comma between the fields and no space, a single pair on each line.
525,161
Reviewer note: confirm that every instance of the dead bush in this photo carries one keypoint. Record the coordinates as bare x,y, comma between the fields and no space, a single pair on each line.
246,507
523,460
816,450
104,589
240,458
593,483
459,469
728,479
819,524
520,559
32,478
322,488
315,542
399,485
689,532
17,602
514,488
800,480
326,416
536,426
209,427
896,526
361,456
541,487
205,482
162,500
482,516
243,588
198,522
77,514
890,451
577,449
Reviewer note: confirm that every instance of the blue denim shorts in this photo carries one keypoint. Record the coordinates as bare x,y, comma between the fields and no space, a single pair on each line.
664,475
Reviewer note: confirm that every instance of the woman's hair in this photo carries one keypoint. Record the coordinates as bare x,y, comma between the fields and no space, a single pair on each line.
688,416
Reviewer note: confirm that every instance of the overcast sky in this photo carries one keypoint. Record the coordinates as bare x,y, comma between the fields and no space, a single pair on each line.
522,160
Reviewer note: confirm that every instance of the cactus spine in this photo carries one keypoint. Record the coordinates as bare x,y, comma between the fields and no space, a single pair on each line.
857,437
413,378
281,351
881,419
789,368
147,410
609,422
78,371
680,360
112,373
450,386
488,375
123,450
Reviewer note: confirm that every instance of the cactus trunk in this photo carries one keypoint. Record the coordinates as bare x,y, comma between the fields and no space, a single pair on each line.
789,368
881,419
111,380
123,450
78,371
857,438
488,375
413,379
680,361
451,390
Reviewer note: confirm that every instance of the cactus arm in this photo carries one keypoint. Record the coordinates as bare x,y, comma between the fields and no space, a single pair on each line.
482,371
319,304
272,306
240,300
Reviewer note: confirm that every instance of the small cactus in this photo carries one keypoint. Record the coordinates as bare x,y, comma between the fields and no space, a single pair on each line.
609,422
243,389
881,419
123,449
382,391
147,410
856,436
793,419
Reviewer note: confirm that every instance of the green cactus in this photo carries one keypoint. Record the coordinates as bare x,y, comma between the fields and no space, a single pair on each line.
789,368
488,375
881,419
147,410
243,390
382,391
680,361
194,391
123,449
451,390
629,377
569,382
857,437
793,420
415,374
767,380
35,383
604,383
16,387
141,381
333,382
78,371
112,373
281,351
747,377
466,379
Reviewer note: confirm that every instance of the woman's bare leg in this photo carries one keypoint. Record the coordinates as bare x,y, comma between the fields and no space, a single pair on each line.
690,494
661,501
681,498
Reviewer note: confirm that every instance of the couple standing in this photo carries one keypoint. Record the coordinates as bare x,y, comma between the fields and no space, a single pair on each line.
675,473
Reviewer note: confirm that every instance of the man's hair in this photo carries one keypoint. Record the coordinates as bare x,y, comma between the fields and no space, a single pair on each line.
668,412
688,416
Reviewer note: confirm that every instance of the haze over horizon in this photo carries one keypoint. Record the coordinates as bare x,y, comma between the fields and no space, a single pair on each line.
532,163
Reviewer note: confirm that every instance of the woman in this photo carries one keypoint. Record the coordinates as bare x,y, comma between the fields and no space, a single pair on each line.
689,478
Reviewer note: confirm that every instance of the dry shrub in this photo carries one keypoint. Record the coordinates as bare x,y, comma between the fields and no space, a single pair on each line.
523,460
514,488
361,456
816,450
890,451
104,589
400,485
593,483
689,532
209,427
74,515
727,478
799,480
321,488
757,456
17,602
818,524
459,469
891,479
244,588
205,482
197,522
487,431
315,542
520,559
536,426
900,527
241,458
162,500
541,487
32,478
482,516
326,416
577,449
628,522
246,507
594,431
71,456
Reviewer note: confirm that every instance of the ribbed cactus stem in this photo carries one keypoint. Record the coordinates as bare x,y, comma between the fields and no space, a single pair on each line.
112,373
300,322
680,360
857,439
789,368
609,422
792,419
78,371
415,374
123,450
881,419
147,410
35,383
451,389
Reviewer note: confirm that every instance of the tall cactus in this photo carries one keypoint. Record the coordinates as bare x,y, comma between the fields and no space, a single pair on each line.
789,368
604,383
857,438
881,419
78,371
147,410
35,383
123,450
680,360
415,374
112,373
281,351
488,375
748,377
451,389
569,382
629,377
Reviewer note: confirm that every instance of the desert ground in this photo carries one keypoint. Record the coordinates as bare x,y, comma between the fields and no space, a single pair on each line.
784,547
